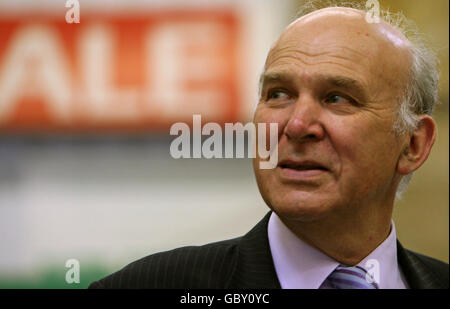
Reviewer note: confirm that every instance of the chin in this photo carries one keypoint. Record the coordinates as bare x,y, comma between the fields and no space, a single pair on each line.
302,209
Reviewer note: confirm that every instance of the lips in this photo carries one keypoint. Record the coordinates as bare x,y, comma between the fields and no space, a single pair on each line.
301,165
301,171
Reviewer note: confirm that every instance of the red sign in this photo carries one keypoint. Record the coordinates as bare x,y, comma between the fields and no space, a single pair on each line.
118,73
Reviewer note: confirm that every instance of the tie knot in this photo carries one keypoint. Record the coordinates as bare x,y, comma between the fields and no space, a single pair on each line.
349,278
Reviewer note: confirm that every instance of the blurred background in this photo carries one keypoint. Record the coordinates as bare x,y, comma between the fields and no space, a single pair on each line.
85,112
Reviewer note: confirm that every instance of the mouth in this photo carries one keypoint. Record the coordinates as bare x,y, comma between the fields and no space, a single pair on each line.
301,170
301,165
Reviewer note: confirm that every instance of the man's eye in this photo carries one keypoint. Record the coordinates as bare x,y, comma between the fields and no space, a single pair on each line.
336,98
278,94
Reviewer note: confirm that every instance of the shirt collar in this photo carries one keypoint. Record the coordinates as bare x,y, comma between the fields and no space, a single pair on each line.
301,266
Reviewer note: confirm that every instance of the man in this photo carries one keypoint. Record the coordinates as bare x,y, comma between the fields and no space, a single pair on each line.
352,101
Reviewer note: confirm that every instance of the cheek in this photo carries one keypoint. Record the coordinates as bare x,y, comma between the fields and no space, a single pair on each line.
267,116
365,151
266,177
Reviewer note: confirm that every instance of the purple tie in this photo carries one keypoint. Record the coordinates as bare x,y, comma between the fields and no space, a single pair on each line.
349,278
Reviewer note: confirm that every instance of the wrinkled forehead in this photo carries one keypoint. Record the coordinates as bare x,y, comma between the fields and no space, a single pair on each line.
343,32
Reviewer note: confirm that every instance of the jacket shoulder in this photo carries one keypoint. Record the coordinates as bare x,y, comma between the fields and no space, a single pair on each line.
207,266
429,269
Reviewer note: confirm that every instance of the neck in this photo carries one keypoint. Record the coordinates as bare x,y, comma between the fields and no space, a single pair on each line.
346,239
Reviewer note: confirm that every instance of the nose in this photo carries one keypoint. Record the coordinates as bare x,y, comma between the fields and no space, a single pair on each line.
304,123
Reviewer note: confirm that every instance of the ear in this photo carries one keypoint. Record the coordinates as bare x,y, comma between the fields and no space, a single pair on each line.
418,146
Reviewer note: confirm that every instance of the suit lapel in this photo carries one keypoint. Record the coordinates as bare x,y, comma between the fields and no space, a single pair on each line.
254,266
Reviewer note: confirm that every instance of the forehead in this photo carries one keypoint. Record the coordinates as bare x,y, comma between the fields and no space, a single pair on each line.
341,40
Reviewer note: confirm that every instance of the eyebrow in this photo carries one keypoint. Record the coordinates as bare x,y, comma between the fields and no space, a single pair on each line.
338,81
345,83
271,78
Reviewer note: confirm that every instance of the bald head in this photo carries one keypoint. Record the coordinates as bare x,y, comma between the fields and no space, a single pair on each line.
353,18
376,52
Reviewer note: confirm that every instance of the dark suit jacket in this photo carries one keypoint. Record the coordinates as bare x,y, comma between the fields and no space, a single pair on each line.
244,262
